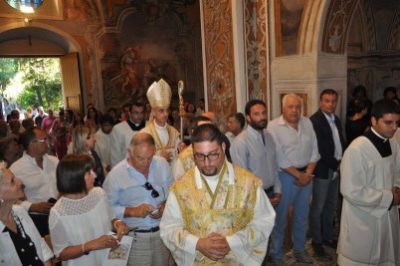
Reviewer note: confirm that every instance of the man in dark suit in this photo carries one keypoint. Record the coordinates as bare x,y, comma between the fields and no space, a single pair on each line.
328,130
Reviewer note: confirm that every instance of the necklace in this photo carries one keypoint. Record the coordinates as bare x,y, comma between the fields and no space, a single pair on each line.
19,225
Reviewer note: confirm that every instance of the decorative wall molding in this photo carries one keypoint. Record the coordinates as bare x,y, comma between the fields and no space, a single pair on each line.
367,16
393,42
337,25
255,20
219,56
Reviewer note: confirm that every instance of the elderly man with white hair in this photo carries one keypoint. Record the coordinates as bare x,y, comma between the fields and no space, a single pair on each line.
297,155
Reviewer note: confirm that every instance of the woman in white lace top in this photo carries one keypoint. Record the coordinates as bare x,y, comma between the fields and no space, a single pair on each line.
81,220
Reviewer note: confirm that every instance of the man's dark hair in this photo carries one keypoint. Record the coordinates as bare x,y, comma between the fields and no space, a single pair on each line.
356,105
207,132
384,106
251,103
71,172
106,118
4,144
27,137
138,103
239,117
28,123
360,89
328,91
3,129
390,89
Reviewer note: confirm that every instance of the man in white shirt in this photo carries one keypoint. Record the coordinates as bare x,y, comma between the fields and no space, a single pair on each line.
165,136
297,156
123,132
103,140
217,213
37,171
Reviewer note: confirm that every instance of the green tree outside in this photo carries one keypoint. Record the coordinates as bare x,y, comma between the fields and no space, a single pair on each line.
40,79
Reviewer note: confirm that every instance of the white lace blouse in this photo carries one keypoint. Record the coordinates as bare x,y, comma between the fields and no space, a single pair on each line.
74,222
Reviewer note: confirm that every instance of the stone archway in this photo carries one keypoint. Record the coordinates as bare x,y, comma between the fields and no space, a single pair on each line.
41,40
319,61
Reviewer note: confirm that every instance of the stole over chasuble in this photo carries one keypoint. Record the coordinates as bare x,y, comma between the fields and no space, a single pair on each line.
173,136
226,211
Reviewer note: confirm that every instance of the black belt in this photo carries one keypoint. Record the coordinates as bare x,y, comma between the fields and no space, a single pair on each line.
302,169
150,230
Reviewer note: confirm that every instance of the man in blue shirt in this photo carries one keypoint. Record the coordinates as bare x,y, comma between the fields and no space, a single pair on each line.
137,188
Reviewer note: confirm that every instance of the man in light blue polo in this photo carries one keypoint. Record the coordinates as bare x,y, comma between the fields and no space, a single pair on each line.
297,155
254,150
137,188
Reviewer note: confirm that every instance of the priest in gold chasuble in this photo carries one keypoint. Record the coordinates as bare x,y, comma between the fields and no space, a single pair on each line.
166,137
216,213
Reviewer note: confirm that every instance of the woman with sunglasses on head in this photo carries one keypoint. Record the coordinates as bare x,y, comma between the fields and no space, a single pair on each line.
83,141
81,219
20,241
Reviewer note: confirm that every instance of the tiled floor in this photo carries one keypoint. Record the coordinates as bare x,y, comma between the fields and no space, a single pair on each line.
291,261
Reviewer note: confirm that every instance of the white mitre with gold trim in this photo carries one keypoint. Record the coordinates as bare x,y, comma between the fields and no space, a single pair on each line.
159,94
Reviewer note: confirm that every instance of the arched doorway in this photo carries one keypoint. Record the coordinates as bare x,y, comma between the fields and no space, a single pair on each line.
39,40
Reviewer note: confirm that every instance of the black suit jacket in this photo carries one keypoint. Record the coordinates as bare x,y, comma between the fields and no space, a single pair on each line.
326,145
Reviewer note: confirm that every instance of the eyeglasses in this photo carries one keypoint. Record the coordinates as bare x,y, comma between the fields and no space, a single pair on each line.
154,193
210,156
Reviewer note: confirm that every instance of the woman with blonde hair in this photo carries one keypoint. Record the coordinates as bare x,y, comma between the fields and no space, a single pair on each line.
83,141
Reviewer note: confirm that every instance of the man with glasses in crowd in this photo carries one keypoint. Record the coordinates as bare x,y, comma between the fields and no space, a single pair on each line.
137,188
217,213
37,171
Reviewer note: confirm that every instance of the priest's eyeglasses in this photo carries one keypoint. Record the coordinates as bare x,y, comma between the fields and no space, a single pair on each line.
211,156
154,193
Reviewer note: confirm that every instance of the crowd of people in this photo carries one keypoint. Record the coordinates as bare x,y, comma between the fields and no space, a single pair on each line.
202,196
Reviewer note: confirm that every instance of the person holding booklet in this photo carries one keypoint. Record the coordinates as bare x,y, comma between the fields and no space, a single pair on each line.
81,220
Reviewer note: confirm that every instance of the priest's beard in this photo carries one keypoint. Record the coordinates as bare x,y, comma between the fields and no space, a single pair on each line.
209,171
260,125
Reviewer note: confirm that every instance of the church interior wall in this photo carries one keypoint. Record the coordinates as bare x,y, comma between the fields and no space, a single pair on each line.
143,42
255,49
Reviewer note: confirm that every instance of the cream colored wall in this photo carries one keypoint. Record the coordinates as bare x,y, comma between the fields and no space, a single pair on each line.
311,71
34,47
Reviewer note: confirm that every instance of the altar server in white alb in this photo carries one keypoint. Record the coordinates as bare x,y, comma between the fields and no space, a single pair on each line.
370,229
165,136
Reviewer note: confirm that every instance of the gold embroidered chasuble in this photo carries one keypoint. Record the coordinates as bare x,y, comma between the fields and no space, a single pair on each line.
173,136
186,158
226,211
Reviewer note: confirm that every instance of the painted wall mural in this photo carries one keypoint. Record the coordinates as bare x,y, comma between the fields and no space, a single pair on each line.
288,14
256,48
219,60
148,40
337,25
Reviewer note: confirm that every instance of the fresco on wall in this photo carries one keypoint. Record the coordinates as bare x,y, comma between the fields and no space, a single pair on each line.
158,39
288,15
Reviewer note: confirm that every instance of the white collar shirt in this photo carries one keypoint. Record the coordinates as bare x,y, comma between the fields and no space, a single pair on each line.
295,148
40,184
